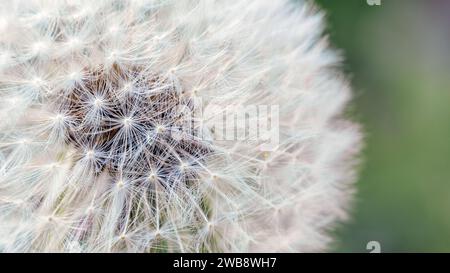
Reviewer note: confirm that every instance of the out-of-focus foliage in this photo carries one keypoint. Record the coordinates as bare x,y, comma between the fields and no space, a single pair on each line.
397,54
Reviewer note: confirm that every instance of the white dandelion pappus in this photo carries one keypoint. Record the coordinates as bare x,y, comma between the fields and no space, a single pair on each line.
90,93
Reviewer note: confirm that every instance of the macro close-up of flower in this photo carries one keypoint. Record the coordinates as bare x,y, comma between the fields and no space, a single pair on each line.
115,132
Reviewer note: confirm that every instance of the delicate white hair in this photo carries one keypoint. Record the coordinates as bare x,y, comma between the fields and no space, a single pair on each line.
89,89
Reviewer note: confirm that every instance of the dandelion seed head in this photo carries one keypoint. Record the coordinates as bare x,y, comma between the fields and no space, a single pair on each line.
102,147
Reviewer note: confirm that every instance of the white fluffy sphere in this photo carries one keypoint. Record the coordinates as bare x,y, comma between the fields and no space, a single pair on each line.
94,95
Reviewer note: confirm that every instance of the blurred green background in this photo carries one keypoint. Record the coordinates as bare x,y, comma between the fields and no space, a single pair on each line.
398,57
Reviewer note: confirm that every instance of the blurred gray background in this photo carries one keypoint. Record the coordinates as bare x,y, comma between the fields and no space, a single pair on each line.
398,57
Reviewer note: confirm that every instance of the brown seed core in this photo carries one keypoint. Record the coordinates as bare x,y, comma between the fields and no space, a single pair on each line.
135,123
